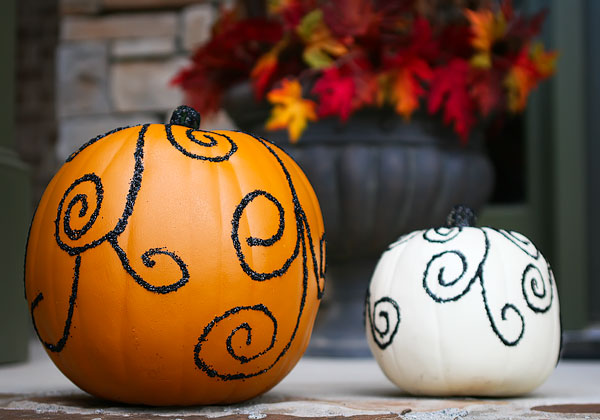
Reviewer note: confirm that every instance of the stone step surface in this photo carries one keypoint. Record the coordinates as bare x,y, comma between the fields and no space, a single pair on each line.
317,388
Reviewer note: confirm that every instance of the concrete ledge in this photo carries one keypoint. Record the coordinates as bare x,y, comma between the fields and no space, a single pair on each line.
316,388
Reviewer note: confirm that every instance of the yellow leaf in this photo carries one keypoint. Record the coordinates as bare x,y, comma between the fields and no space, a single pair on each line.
481,60
290,109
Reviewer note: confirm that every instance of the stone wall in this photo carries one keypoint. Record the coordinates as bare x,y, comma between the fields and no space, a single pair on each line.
35,122
115,60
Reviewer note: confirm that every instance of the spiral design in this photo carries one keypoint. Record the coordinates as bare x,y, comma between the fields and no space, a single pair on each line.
242,328
149,262
442,234
211,142
60,344
252,241
82,202
514,325
384,320
445,277
537,288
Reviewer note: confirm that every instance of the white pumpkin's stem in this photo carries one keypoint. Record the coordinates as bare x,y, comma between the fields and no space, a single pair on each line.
461,216
186,116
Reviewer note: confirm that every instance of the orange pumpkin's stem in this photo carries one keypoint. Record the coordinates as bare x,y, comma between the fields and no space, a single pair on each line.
186,116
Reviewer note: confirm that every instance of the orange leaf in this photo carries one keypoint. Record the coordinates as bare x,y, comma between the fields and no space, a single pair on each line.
544,61
406,86
265,68
530,67
291,111
262,72
486,28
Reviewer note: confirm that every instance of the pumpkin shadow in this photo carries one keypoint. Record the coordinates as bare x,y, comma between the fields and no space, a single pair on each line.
87,404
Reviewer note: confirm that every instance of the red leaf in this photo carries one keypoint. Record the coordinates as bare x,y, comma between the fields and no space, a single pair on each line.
422,41
486,91
420,45
455,41
202,92
449,89
524,28
507,9
336,92
262,74
365,82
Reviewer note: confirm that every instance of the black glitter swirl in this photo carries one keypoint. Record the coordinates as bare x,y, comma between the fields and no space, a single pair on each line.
235,223
505,309
387,310
211,143
538,292
149,262
75,234
60,344
438,264
209,370
304,242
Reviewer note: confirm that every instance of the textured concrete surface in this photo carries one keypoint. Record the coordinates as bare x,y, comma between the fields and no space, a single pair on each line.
331,388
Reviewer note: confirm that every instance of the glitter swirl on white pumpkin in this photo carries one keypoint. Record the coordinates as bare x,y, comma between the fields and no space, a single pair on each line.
384,319
452,273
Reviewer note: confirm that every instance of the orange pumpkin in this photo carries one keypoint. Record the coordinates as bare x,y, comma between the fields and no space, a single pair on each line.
168,265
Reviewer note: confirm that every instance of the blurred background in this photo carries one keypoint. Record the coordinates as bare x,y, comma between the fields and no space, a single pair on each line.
72,69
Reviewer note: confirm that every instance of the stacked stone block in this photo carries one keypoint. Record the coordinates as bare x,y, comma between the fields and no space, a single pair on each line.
35,121
115,60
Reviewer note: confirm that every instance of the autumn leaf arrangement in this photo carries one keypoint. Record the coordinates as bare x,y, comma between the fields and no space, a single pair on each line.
462,61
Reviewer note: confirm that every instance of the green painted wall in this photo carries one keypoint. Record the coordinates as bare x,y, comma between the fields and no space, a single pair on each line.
14,204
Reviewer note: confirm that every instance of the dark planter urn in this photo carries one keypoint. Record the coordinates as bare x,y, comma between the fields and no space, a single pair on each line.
376,177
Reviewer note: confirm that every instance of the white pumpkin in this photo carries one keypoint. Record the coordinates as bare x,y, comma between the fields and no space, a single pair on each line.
461,310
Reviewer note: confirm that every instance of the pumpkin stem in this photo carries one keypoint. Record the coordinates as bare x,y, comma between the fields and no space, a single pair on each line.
461,216
186,116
